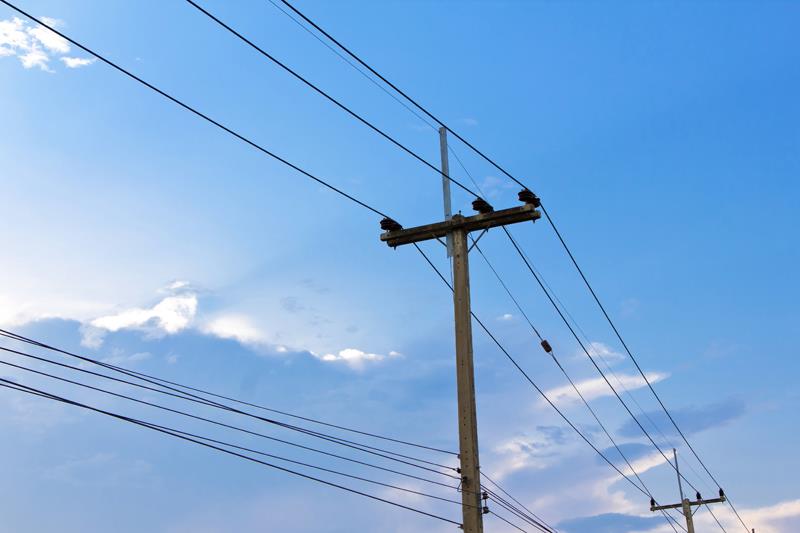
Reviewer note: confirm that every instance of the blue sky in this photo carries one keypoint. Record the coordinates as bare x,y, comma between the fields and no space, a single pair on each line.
663,138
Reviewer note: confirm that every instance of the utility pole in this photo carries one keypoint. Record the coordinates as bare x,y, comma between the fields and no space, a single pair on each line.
686,504
457,229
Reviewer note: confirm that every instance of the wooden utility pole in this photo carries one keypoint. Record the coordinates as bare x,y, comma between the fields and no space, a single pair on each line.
686,504
457,229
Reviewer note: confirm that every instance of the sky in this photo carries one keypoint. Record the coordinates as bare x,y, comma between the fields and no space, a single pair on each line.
662,137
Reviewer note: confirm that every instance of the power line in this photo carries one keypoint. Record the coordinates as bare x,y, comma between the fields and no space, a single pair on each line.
37,392
589,355
549,350
379,86
547,215
197,399
355,67
535,386
237,428
529,380
516,511
490,480
332,99
507,521
300,463
635,362
135,373
606,364
715,519
396,88
194,111
346,195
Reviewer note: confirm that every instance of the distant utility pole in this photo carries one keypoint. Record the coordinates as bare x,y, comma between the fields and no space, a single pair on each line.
686,504
456,230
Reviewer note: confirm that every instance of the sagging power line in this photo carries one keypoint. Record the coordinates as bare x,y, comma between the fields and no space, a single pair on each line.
547,215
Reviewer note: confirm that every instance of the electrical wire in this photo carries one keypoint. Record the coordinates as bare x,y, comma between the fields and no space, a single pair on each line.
355,67
591,358
516,511
532,383
635,362
379,86
529,380
544,210
571,382
716,519
367,206
501,489
507,521
129,372
396,88
607,366
195,111
332,99
195,399
37,392
236,428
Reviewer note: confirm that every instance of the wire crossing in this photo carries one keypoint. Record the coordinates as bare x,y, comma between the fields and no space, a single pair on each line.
217,441
550,220
194,111
333,100
349,444
549,350
591,358
170,385
606,364
38,392
530,381
374,210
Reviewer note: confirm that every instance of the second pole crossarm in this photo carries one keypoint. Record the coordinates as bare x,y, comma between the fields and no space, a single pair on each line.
477,222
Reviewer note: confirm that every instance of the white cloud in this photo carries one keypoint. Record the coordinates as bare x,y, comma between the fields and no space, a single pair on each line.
236,327
35,57
506,317
597,387
355,358
34,45
77,62
49,39
603,351
537,450
171,315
